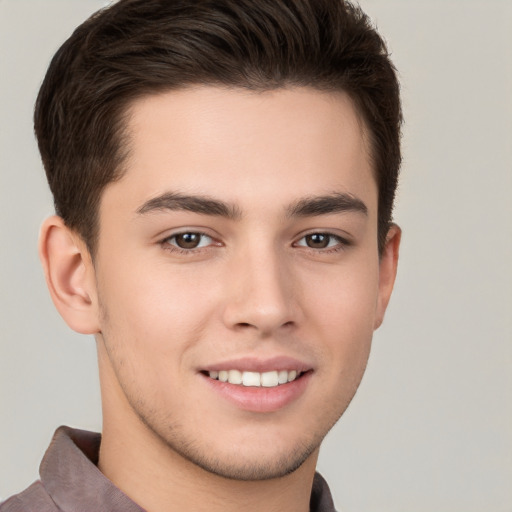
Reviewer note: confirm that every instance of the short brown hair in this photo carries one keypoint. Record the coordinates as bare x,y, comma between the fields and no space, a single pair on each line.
138,47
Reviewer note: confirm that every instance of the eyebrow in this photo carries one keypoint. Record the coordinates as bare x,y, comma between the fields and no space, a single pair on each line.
198,204
322,205
306,207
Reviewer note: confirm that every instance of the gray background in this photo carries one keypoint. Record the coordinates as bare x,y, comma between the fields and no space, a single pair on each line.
431,426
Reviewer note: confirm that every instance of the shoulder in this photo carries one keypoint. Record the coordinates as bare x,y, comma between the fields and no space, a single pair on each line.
33,499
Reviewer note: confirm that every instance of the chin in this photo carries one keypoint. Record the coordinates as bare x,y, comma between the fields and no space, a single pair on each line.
248,458
249,467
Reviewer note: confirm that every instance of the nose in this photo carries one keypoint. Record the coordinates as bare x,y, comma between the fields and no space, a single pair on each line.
261,294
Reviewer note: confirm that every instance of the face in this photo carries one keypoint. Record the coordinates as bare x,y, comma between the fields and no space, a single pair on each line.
238,275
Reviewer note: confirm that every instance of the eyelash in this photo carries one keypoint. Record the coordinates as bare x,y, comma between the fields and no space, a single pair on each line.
166,243
342,243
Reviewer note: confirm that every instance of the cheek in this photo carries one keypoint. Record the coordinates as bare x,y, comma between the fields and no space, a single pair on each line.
346,297
343,306
150,318
154,297
148,324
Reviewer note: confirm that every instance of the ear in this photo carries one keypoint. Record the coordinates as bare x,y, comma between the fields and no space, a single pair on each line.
69,274
387,271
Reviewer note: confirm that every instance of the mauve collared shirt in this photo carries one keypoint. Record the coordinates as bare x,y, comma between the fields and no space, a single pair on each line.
71,482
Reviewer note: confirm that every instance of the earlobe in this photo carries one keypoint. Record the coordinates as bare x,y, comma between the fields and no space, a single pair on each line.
69,275
387,272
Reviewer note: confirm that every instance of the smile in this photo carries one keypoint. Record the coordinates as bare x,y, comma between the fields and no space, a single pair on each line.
261,386
268,379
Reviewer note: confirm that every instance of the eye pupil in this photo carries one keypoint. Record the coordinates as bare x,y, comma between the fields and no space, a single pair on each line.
188,240
317,240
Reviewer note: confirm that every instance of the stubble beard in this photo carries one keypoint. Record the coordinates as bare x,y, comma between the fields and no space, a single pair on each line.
225,462
175,438
229,466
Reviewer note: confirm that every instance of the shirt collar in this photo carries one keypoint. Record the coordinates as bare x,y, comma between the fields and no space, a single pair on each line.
70,476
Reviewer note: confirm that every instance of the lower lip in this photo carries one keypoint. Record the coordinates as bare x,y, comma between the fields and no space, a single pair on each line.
260,399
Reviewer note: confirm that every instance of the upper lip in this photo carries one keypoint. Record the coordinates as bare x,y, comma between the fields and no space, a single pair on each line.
252,364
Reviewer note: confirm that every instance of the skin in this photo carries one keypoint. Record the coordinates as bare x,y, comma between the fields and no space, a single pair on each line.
258,286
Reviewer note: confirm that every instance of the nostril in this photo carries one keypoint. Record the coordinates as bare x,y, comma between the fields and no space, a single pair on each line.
245,325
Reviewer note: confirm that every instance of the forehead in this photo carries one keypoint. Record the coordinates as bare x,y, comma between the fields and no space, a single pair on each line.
242,145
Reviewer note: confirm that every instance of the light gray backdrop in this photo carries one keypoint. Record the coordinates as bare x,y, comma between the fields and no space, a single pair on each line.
431,426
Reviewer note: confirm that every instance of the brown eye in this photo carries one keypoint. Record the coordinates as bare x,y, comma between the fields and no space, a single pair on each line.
321,241
317,240
190,240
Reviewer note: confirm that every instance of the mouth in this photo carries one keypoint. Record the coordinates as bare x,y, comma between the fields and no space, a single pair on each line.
267,379
258,385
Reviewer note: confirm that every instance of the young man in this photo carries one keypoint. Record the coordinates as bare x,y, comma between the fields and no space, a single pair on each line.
223,176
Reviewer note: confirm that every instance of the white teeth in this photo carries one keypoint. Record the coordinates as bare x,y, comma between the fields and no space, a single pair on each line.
292,375
282,377
235,377
269,379
251,379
